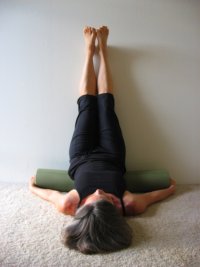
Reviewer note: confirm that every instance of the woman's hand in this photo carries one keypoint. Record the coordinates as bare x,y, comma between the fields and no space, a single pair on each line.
32,182
173,184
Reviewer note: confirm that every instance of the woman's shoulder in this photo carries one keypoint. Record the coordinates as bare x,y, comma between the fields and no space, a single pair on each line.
134,203
70,202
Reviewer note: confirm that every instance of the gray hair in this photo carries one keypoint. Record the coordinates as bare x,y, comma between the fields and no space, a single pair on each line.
97,228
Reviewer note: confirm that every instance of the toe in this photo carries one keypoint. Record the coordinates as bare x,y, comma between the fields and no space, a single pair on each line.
98,31
104,27
85,30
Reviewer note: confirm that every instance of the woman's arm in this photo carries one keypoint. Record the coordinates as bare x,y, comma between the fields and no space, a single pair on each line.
138,203
65,203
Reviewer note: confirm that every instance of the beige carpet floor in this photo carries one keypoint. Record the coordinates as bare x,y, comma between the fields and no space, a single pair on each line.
168,234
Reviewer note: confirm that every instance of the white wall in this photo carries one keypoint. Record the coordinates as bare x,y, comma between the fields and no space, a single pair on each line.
155,59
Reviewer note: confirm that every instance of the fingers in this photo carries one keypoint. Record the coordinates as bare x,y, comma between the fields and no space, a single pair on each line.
32,181
172,182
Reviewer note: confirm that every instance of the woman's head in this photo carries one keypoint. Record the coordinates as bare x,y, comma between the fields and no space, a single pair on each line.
98,227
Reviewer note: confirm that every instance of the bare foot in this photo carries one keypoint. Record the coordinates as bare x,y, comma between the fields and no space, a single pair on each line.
102,36
90,38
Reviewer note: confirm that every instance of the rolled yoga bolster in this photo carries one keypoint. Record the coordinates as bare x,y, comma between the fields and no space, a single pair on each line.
136,181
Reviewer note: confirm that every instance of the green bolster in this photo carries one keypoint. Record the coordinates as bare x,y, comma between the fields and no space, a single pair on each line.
136,181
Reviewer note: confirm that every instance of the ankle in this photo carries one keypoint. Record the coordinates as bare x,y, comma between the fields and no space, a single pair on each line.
103,53
89,53
90,49
103,47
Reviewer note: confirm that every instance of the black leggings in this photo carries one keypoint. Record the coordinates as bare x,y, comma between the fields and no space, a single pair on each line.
97,129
